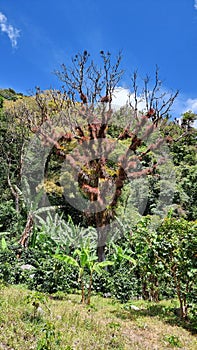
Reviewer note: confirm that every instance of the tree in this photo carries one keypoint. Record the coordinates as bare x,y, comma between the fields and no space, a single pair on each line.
16,119
184,154
177,254
166,259
94,165
188,118
14,136
75,145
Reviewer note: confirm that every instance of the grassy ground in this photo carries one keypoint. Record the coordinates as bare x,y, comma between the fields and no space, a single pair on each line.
30,321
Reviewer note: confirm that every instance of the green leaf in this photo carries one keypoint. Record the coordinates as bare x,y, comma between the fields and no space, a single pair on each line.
5,233
68,259
3,244
127,257
97,267
105,263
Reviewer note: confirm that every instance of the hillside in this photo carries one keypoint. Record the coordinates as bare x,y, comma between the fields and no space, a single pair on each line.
10,94
66,324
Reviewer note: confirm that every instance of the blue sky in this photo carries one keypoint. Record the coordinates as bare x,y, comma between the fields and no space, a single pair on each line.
37,36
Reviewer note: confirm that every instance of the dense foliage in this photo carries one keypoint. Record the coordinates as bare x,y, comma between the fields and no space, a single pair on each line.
153,252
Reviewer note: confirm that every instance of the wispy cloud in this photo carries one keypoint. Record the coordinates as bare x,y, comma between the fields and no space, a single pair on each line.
195,4
7,28
191,104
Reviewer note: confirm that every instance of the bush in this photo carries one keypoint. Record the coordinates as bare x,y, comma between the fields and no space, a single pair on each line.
102,283
52,276
47,274
125,285
8,270
120,283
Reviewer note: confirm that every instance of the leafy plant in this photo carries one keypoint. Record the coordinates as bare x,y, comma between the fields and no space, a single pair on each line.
85,259
37,299
53,275
173,340
178,256
55,231
51,339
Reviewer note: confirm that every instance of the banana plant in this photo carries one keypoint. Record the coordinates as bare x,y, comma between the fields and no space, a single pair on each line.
34,208
66,234
85,259
120,254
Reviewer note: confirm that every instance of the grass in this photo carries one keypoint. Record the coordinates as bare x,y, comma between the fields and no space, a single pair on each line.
30,321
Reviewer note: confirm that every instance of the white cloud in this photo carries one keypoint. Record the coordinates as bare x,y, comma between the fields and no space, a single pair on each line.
183,104
121,97
195,124
7,28
191,104
195,4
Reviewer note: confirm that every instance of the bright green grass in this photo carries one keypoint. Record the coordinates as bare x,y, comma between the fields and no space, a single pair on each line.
68,325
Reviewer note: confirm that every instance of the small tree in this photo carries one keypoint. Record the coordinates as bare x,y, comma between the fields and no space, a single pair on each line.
166,257
14,136
178,255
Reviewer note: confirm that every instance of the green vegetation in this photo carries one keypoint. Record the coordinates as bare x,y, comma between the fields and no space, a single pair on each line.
97,202
86,259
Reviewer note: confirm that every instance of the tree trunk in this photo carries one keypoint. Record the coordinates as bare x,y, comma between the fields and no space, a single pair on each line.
101,253
89,290
82,292
27,231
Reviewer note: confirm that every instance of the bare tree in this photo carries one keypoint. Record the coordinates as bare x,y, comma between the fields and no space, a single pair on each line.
85,112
